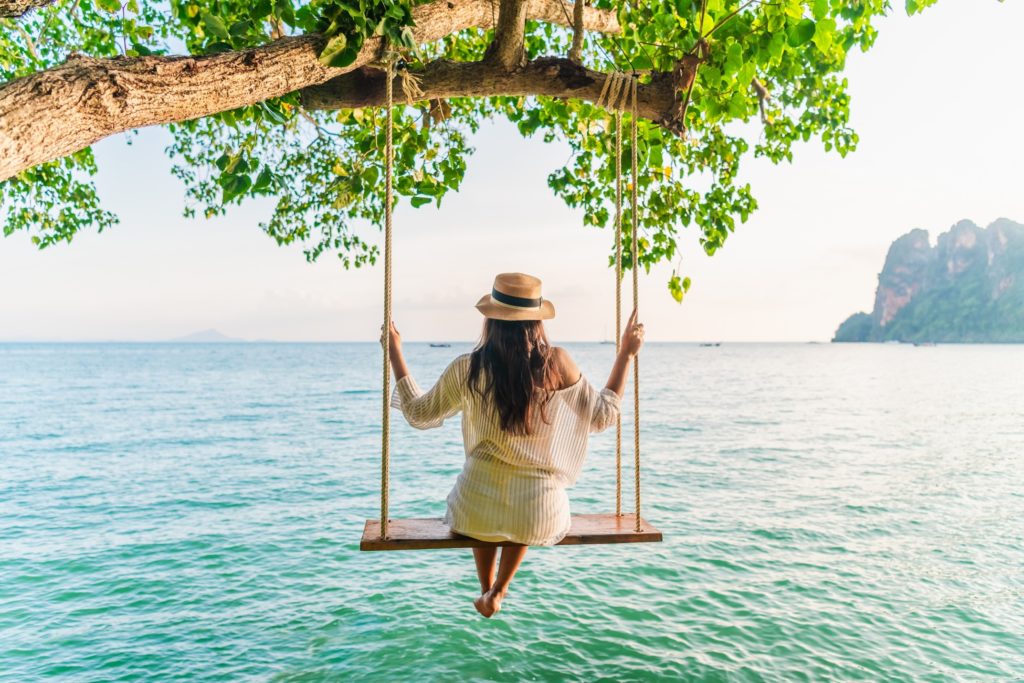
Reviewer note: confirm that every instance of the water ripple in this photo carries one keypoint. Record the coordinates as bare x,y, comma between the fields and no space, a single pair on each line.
193,512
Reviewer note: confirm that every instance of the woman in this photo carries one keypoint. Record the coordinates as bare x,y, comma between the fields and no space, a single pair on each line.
526,413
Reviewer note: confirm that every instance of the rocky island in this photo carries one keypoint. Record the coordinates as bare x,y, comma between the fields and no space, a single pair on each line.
969,287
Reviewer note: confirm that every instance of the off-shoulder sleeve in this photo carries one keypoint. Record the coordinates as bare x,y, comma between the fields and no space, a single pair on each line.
599,408
424,411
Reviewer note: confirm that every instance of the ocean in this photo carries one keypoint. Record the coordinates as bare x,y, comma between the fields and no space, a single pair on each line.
193,512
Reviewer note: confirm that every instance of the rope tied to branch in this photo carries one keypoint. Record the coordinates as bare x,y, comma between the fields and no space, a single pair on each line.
615,91
392,65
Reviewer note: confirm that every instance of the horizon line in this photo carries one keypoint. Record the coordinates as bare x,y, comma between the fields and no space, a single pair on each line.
407,341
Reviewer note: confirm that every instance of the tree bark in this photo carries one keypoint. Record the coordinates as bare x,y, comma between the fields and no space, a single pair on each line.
59,111
507,49
576,51
16,8
549,76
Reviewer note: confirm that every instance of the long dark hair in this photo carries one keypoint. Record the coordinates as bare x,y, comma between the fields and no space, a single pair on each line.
514,365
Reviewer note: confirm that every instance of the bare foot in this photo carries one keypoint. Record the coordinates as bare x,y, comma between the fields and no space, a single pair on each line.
489,603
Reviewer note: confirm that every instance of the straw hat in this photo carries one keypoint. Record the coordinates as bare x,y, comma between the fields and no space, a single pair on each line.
516,296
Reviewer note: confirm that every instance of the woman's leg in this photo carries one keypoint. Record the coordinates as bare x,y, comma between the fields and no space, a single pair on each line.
485,566
511,557
490,602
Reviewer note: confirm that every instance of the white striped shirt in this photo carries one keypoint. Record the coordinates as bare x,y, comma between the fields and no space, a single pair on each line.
557,445
512,487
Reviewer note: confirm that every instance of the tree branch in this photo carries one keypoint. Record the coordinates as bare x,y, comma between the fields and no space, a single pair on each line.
507,49
576,51
657,101
53,113
16,8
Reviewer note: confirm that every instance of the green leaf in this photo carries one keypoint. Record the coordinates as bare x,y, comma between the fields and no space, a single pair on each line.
234,186
272,113
345,57
239,29
418,201
801,32
264,179
284,9
409,41
642,62
331,54
733,59
675,288
261,9
219,46
370,176
824,33
215,26
776,46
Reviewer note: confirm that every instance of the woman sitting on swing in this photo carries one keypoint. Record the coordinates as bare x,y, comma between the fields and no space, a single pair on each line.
526,414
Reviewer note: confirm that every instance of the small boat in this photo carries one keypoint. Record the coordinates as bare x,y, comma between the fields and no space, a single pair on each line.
711,343
440,345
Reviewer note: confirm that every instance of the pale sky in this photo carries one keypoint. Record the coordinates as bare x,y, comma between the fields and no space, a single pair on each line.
937,104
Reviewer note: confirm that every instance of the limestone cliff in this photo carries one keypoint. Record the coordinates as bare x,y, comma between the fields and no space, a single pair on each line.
969,287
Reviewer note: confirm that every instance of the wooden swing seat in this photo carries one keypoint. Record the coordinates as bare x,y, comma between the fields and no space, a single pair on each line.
430,533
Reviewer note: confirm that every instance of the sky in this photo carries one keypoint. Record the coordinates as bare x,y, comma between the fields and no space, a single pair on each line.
936,102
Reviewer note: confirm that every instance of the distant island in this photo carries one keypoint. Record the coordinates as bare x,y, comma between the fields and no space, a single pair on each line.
969,287
205,337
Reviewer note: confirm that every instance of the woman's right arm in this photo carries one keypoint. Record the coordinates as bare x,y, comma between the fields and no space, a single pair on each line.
423,411
431,409
632,340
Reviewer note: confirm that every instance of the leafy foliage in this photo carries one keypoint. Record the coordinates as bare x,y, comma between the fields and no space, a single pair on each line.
324,169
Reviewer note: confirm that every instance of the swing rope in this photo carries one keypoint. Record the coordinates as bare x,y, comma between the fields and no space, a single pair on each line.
618,300
619,90
636,304
385,434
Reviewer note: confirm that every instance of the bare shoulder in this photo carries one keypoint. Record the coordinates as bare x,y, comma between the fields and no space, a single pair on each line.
567,367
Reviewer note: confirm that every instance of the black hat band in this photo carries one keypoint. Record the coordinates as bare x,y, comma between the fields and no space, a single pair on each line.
517,301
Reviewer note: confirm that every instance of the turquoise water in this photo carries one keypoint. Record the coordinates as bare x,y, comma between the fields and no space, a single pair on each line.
193,512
